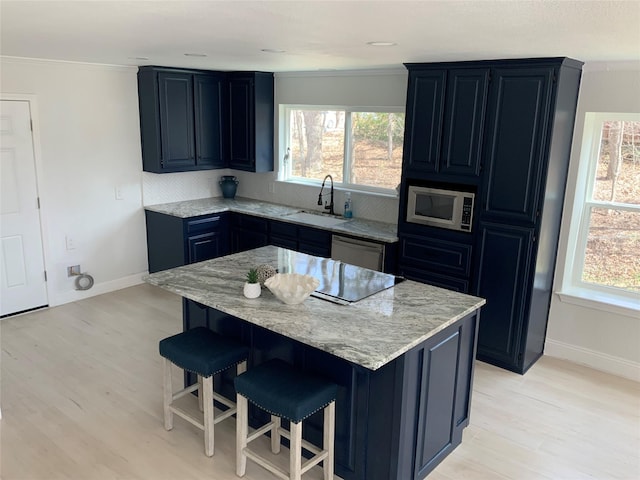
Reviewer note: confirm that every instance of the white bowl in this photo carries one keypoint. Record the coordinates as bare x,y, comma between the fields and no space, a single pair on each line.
291,288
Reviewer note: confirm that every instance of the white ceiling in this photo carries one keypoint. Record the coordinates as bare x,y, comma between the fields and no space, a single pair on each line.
317,34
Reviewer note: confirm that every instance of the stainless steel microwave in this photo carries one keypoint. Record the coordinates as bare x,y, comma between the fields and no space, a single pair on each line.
440,208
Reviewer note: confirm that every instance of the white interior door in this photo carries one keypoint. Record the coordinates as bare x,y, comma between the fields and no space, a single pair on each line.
21,258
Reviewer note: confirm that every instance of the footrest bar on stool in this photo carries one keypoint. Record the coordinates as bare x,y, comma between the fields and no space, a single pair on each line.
261,431
263,462
312,462
224,400
310,447
185,391
188,417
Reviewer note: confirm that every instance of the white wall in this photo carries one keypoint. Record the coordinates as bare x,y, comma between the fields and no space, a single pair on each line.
585,331
89,139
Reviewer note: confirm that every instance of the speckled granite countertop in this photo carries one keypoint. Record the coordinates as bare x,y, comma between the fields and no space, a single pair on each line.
370,333
382,232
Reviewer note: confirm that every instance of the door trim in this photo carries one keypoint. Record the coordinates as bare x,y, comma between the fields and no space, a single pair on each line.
37,154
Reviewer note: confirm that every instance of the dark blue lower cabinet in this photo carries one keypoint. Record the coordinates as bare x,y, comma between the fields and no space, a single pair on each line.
397,422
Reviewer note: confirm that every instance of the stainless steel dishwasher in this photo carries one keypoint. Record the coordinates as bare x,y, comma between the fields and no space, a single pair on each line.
357,252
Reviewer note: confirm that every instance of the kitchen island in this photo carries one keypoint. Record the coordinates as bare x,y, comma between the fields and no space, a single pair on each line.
402,358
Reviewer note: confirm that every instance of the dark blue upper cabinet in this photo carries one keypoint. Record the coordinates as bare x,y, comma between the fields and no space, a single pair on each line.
425,103
176,120
516,142
210,113
445,118
181,119
464,121
251,121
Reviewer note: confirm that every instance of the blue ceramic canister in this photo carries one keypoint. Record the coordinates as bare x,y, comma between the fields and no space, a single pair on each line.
229,185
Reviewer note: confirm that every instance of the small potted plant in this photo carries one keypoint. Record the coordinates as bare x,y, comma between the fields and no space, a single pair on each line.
252,287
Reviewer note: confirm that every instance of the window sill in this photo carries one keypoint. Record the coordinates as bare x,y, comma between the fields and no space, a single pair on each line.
601,301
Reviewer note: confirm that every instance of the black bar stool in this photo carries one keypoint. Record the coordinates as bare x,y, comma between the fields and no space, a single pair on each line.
204,353
285,392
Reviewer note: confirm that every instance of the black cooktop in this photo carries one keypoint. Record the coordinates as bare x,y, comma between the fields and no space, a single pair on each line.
339,282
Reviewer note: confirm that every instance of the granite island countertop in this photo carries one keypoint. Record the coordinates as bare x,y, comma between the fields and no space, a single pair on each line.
370,229
370,333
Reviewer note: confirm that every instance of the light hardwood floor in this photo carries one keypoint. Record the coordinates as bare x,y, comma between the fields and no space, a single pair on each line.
81,388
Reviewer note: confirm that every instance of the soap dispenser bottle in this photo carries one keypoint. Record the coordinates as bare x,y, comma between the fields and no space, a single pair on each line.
348,207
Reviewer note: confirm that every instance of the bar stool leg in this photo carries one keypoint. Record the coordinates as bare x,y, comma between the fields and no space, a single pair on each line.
328,439
242,427
200,394
275,434
168,395
207,386
295,451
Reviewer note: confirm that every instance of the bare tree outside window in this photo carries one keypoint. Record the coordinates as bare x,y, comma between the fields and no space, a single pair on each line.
612,254
317,139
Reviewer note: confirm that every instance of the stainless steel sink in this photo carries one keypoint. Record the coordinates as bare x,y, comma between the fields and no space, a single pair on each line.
316,219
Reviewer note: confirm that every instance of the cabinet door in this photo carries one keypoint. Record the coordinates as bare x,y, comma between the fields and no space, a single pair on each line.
464,121
208,107
205,246
241,149
425,101
248,232
176,120
503,271
314,241
515,142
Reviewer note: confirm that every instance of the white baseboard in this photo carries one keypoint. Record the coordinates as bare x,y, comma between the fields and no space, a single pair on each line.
593,359
97,289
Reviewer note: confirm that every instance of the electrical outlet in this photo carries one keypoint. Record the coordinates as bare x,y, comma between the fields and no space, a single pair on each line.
73,270
118,192
272,187
71,243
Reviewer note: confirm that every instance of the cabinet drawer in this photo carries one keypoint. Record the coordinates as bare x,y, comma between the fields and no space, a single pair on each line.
248,222
443,281
434,254
282,229
203,224
315,236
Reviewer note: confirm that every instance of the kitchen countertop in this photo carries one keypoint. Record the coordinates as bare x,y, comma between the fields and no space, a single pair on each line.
370,332
370,229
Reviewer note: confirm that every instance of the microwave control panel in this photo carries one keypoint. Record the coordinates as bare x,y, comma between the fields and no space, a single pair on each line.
467,208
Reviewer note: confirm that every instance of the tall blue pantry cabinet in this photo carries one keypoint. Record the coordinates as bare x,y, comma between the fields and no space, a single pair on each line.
501,129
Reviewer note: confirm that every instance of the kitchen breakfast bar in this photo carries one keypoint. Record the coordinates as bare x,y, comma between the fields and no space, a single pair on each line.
402,357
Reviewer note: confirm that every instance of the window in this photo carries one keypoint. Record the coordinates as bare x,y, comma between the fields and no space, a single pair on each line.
361,149
607,241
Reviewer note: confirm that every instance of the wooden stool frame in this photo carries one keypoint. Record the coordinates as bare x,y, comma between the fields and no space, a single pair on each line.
296,443
206,396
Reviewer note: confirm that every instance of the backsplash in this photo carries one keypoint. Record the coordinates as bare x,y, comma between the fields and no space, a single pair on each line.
176,187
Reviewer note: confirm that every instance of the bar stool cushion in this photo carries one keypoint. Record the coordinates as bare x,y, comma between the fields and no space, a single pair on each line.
279,389
202,351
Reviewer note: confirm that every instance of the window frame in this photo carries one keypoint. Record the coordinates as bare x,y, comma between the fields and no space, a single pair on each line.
573,285
284,165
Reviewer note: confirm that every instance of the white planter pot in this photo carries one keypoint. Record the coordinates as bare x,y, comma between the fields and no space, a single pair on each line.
252,290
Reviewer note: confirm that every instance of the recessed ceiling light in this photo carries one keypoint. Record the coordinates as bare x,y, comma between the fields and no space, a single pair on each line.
382,44
138,58
272,50
195,54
